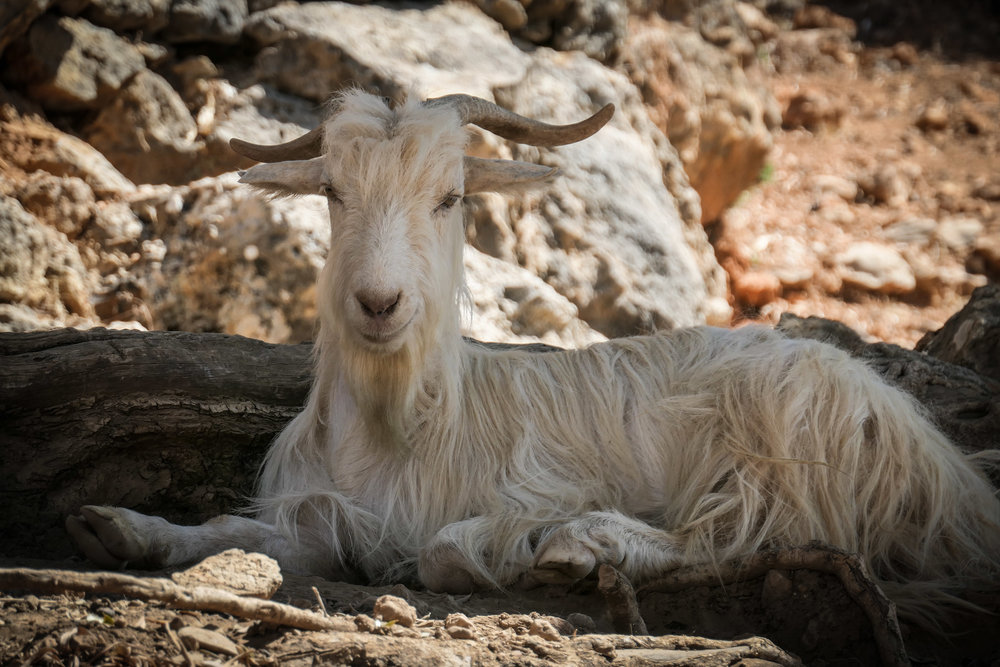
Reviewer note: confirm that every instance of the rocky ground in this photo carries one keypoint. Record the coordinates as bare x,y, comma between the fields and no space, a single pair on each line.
844,164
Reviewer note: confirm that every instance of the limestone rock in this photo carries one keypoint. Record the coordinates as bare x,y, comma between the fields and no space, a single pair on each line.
703,101
16,16
205,21
232,260
32,144
390,608
512,305
443,49
149,16
235,571
69,64
595,27
876,268
148,133
40,268
629,263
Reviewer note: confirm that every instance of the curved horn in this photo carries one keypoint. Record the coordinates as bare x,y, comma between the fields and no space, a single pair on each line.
521,129
307,146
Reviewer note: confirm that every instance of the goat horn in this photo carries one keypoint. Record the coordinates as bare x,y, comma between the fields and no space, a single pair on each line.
509,125
307,146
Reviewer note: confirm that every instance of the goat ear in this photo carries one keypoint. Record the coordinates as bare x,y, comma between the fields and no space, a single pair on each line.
503,175
294,177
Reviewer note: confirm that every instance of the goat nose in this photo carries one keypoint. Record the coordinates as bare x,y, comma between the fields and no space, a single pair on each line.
378,304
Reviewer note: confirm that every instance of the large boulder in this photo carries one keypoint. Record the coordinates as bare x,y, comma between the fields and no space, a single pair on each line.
40,269
701,98
69,64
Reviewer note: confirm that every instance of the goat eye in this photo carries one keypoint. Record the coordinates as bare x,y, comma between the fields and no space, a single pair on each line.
449,200
327,191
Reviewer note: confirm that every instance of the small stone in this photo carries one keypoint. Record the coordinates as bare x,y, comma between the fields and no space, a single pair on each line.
603,646
390,608
876,268
542,628
756,288
958,233
365,623
209,640
458,626
934,117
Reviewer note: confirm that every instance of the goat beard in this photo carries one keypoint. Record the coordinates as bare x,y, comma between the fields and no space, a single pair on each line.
386,388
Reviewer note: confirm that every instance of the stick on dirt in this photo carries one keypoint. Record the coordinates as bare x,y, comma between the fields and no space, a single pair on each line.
201,598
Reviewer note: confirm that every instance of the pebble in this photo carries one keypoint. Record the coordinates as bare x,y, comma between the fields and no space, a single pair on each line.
542,628
756,288
959,233
210,640
934,117
876,268
458,626
390,608
582,622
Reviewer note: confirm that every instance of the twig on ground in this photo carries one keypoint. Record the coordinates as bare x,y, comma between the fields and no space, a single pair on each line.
620,597
848,568
200,598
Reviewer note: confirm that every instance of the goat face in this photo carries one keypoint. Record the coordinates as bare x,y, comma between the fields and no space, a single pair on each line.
394,179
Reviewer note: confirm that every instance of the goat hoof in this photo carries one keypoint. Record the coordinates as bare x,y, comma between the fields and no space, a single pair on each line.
107,536
562,562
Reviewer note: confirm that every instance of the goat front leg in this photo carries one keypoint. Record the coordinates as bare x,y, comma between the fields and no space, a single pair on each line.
115,537
574,549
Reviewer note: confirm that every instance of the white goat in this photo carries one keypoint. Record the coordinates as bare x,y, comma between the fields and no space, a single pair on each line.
419,453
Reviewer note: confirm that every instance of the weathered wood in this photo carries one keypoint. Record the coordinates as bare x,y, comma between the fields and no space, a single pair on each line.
174,424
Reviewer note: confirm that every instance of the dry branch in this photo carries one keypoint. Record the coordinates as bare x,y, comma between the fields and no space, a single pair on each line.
848,568
201,598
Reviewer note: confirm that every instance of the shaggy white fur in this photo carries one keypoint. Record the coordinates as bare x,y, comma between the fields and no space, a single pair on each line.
422,455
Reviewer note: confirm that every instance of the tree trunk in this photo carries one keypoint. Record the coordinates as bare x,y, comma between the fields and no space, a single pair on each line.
176,424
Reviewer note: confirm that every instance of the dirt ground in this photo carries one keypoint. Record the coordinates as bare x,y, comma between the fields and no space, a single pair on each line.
911,135
891,144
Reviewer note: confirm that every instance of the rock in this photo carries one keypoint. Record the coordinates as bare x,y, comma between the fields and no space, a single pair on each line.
31,144
911,230
815,49
756,288
888,185
209,640
818,16
16,16
447,48
629,264
585,624
235,571
595,27
67,204
40,268
875,268
542,628
509,13
838,186
513,305
218,21
985,257
959,233
933,117
814,110
208,280
970,337
390,608
458,626
148,133
701,99
147,16
69,64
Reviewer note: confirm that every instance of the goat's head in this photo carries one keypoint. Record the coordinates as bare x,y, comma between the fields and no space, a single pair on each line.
394,179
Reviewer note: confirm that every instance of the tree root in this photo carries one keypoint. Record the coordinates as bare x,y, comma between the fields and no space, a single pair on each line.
201,598
848,568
